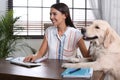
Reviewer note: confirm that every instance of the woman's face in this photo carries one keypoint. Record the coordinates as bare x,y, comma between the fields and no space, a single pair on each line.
57,18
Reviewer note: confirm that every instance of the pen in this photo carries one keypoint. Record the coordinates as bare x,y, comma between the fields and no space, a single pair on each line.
72,71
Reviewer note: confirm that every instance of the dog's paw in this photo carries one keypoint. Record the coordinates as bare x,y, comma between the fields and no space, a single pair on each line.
70,65
74,60
66,65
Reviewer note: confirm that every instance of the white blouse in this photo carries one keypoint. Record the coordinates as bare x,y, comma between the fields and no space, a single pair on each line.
72,36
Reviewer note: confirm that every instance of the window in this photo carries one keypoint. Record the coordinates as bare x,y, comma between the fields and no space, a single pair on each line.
35,13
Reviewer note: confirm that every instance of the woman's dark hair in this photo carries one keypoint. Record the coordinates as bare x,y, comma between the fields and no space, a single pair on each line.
63,8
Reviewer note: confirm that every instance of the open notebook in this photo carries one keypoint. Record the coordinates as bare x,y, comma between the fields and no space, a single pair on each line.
19,61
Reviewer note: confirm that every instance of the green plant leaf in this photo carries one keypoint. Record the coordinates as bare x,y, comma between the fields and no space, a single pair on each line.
7,39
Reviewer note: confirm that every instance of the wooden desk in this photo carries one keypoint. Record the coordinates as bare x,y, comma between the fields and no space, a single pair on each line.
49,70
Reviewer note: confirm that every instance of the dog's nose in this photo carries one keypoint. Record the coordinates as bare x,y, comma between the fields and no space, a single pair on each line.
83,30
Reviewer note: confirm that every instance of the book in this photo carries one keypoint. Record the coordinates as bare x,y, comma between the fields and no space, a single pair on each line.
77,73
19,61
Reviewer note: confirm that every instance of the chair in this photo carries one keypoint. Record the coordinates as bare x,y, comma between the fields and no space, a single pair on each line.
46,25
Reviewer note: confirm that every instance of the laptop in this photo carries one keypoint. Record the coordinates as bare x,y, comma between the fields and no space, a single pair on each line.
19,61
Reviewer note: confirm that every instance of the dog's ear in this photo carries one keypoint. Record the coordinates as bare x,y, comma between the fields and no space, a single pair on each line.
108,39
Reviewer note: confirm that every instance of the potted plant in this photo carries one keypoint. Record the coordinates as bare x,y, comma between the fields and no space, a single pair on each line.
8,41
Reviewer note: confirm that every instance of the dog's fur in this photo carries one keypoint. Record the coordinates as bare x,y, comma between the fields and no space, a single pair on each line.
104,49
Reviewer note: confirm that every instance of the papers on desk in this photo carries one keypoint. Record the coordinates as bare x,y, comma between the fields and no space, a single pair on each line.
80,72
19,61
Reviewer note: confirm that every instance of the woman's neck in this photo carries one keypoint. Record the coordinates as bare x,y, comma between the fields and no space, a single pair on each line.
61,30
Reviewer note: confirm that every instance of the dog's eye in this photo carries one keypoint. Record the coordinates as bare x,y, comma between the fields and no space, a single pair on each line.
97,27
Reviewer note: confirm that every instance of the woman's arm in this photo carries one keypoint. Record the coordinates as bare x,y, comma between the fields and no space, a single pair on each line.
40,53
43,48
83,49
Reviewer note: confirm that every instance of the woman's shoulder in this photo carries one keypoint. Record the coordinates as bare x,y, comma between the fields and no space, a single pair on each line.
73,29
51,28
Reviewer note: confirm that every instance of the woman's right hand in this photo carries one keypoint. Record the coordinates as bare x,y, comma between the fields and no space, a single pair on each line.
30,58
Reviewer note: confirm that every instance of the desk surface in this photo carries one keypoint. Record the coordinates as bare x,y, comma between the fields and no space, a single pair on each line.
49,70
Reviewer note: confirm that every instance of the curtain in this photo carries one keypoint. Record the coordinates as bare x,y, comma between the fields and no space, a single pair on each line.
108,10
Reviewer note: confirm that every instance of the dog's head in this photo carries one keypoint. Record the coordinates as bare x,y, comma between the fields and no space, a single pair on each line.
99,31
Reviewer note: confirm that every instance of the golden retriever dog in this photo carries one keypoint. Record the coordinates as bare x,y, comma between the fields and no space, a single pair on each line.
104,50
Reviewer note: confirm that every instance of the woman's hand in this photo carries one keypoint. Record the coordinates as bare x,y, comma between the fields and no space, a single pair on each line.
30,58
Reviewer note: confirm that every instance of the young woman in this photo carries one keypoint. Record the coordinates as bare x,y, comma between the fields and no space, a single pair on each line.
61,40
